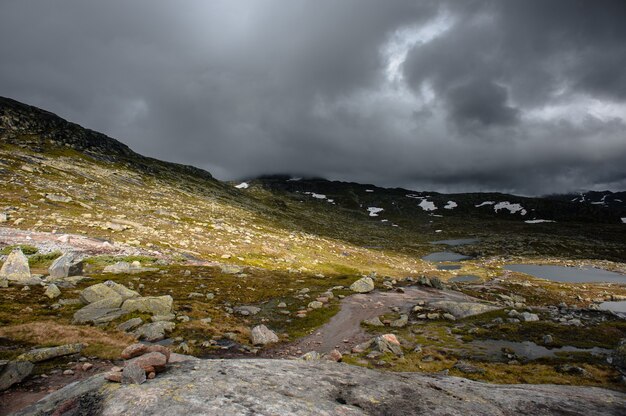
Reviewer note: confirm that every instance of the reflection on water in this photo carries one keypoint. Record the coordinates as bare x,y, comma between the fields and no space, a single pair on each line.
568,274
445,256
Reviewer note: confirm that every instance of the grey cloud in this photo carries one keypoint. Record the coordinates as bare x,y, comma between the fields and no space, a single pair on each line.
497,101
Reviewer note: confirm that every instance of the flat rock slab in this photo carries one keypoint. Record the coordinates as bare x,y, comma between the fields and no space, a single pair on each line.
285,387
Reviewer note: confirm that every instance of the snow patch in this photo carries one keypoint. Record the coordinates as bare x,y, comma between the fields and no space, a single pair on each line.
451,205
369,190
314,195
243,185
294,179
513,208
427,205
485,203
624,220
374,211
537,221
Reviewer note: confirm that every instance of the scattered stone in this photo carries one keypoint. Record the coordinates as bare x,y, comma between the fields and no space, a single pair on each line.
462,309
363,285
155,305
97,293
282,305
68,372
52,291
65,266
155,331
43,354
14,372
386,343
547,339
400,322
247,310
262,335
16,269
315,305
58,198
449,317
572,369
166,317
333,355
87,366
436,283
150,361
231,268
311,356
468,368
130,324
133,374
373,322
114,376
529,317
123,291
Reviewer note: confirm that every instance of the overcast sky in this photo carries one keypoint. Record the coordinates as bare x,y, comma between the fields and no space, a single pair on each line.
518,96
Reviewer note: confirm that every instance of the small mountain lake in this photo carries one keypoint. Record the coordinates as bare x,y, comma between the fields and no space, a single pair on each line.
457,242
445,256
491,349
465,279
619,306
568,274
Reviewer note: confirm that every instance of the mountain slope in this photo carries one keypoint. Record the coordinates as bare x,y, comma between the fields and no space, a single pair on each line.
116,194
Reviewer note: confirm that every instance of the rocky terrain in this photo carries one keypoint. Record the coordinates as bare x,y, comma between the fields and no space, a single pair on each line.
102,248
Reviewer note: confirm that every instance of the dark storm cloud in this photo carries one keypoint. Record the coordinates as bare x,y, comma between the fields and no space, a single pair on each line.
523,96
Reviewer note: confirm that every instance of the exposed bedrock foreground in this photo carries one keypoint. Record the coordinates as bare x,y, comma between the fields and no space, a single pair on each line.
283,387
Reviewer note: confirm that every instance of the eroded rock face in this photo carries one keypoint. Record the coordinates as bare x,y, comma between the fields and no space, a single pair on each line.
243,387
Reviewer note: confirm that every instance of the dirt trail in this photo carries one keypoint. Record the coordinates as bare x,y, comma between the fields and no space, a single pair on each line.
344,329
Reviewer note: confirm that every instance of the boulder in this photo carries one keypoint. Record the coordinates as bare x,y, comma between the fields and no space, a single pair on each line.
373,322
247,310
132,374
121,290
102,311
387,343
130,324
65,266
315,304
462,309
307,388
16,269
149,362
619,356
52,291
363,285
97,293
262,335
400,322
155,331
529,317
118,268
14,372
43,354
155,305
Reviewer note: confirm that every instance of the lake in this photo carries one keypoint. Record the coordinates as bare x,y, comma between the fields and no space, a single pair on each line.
445,256
568,274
